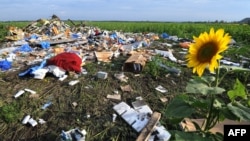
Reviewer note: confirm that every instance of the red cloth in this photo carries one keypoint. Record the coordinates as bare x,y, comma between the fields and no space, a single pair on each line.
66,60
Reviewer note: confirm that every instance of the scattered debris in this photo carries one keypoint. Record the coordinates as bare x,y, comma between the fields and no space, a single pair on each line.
149,128
135,63
19,93
41,121
131,116
73,135
164,99
26,119
73,82
102,75
30,91
74,104
104,56
114,117
46,105
63,77
161,89
121,77
30,120
126,88
114,97
143,120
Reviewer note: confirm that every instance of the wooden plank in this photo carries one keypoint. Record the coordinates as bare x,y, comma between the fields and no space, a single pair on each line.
149,128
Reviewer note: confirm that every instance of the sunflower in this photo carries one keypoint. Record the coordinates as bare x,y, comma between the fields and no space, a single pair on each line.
205,50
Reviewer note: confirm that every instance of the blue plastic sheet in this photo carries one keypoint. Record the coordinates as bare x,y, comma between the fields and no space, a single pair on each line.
23,48
164,35
113,36
46,105
5,65
120,41
33,36
45,45
75,36
32,69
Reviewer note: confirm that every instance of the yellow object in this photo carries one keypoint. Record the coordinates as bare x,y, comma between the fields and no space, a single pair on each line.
55,30
205,51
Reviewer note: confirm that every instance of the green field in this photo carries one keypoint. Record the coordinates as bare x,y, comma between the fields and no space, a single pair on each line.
239,32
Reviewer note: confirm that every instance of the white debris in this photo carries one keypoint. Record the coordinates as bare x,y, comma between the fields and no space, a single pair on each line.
19,93
102,75
161,89
30,91
26,119
73,82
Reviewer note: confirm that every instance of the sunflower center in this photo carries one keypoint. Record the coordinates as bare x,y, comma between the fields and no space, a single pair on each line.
207,51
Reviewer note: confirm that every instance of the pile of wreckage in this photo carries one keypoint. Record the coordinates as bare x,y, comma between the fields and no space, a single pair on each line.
51,46
59,48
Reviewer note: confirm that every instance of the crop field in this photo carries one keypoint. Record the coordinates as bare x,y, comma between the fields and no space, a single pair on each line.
224,94
240,32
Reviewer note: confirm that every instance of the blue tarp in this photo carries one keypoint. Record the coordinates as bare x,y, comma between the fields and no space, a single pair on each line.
5,65
32,69
23,48
164,35
45,45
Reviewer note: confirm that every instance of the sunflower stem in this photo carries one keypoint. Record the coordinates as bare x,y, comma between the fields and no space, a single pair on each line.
212,118
217,75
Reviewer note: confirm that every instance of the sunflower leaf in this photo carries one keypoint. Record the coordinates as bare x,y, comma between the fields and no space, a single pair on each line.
215,90
238,91
203,79
178,108
239,110
234,68
201,88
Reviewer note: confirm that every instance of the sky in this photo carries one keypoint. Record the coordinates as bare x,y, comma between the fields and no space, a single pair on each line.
126,10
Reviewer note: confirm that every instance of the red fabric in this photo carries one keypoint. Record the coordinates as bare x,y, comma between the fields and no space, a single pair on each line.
66,60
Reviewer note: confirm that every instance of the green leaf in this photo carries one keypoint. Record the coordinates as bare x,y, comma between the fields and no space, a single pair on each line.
200,103
202,79
238,91
239,110
216,90
217,103
196,88
201,88
234,68
178,108
227,114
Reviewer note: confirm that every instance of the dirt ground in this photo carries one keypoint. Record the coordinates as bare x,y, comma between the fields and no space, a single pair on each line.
93,111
